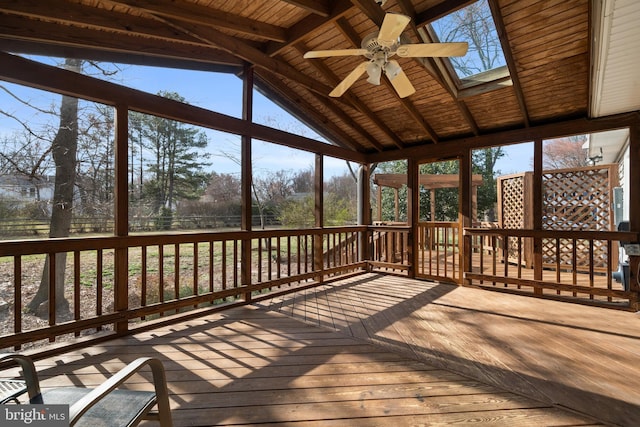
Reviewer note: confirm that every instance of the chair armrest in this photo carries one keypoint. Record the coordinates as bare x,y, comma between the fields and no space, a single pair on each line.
159,381
28,373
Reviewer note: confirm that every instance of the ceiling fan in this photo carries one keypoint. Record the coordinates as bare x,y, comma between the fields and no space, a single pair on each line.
382,45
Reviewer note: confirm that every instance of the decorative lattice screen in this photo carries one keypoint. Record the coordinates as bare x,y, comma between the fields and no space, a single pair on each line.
512,213
513,205
577,199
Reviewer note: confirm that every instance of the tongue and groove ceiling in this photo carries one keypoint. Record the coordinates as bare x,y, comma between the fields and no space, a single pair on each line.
548,46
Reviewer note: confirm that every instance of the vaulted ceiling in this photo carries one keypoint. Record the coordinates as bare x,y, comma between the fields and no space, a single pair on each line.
546,43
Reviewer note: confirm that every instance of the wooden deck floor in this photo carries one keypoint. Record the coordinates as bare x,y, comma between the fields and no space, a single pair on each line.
386,351
574,356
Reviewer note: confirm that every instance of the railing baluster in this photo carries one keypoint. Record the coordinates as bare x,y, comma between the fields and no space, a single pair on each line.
17,292
176,272
76,288
161,275
99,282
212,264
52,291
196,270
143,278
224,264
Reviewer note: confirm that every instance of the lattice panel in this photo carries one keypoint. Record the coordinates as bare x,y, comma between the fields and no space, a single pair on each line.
550,252
577,200
573,200
513,210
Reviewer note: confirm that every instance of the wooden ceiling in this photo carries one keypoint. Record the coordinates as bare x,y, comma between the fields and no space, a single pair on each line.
546,44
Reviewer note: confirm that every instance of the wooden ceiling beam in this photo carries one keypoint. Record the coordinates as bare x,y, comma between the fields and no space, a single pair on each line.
16,69
558,129
311,23
203,62
438,11
371,9
281,94
202,15
79,16
317,7
249,54
435,66
511,62
61,37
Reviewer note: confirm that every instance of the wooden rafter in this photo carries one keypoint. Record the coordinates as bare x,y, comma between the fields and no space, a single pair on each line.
323,125
250,54
558,129
221,62
202,15
430,63
318,7
308,24
438,11
511,63
78,17
49,34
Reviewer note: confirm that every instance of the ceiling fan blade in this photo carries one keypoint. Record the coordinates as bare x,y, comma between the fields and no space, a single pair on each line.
349,80
392,27
425,50
402,85
336,52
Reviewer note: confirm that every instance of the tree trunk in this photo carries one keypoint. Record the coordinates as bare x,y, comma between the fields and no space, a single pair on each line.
64,151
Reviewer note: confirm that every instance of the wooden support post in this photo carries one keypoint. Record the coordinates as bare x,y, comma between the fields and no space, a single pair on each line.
364,189
413,214
634,208
318,246
121,267
380,203
537,211
467,210
246,179
432,204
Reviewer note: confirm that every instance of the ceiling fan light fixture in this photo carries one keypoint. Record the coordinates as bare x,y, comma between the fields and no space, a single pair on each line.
374,70
392,69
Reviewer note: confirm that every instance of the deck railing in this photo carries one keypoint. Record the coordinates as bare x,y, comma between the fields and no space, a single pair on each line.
389,249
118,284
439,256
163,275
569,265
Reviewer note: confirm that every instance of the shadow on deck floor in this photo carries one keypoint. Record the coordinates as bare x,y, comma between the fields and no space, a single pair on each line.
573,356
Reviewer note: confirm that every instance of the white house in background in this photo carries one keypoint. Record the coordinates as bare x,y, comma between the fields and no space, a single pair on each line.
21,189
614,82
613,147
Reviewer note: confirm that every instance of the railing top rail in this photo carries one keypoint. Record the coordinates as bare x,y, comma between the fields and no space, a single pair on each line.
624,236
85,243
438,223
390,227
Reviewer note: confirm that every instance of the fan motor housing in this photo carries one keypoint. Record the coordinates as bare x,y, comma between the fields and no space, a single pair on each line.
370,42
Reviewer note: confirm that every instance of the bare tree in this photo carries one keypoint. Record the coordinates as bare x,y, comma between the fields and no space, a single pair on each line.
564,153
473,24
64,149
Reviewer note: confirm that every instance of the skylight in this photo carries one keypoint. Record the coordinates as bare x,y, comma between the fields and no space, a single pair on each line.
474,24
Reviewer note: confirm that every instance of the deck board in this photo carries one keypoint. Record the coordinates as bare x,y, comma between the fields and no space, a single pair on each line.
368,351
576,356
